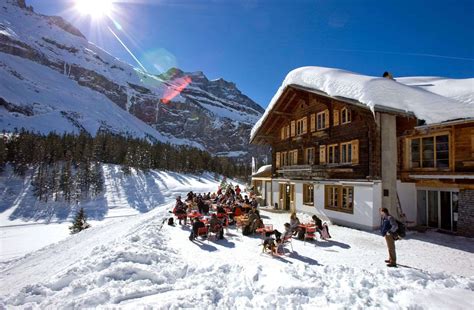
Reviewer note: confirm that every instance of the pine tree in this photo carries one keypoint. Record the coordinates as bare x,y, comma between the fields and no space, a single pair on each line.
80,222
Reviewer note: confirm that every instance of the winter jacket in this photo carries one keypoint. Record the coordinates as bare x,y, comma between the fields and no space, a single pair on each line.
389,225
294,223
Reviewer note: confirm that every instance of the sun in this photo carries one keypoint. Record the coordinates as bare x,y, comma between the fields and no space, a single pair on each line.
94,8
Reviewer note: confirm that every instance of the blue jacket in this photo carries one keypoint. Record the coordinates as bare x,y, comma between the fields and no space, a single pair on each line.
388,225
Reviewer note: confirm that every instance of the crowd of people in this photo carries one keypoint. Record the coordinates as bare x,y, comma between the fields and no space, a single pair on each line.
218,210
227,207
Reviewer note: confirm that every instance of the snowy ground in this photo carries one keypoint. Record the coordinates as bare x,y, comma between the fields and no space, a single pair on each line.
23,219
135,262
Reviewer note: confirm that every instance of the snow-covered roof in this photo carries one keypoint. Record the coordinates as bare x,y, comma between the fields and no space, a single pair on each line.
263,171
433,99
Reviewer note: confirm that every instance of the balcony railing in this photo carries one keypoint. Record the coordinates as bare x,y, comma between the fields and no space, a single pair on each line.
318,171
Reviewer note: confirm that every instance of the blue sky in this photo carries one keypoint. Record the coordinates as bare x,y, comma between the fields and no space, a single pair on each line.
256,43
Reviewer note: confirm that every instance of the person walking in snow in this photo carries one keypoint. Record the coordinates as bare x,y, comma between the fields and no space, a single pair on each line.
388,229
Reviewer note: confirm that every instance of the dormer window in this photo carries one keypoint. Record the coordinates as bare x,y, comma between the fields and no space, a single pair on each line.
345,116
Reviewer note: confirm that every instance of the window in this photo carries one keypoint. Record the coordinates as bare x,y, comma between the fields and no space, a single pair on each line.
332,197
346,153
308,194
309,156
293,157
345,116
322,120
301,126
285,132
277,159
333,154
347,197
339,198
430,152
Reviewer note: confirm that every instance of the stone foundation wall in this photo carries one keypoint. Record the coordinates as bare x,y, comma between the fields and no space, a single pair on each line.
466,213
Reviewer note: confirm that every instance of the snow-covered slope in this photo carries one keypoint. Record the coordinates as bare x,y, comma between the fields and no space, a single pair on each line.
50,71
431,99
138,263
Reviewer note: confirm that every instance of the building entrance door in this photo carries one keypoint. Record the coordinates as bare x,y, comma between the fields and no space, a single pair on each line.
287,195
438,209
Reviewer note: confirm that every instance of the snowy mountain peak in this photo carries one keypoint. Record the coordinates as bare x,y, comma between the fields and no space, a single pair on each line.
53,79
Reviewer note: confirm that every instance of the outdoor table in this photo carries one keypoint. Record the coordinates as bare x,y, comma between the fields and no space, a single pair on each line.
304,226
193,215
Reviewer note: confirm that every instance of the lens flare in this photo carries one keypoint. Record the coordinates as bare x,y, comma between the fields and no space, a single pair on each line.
94,8
175,90
159,60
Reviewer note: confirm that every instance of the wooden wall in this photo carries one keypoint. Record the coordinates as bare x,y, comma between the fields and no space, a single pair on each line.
361,127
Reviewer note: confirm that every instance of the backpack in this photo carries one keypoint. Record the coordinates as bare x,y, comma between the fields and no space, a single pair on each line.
401,231
171,221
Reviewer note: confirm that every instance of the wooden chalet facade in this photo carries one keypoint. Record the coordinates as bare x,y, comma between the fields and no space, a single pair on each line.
335,157
327,156
436,170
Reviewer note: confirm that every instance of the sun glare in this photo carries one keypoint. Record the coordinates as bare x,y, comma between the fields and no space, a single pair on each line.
94,8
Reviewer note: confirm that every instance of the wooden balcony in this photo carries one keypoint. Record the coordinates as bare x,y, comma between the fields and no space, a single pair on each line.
314,171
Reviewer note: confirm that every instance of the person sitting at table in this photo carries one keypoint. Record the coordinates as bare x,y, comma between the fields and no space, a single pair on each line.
252,223
200,204
220,209
254,202
279,237
294,224
196,225
320,227
180,210
215,226
205,208
246,200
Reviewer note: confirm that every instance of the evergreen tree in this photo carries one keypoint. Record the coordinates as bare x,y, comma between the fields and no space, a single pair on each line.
80,222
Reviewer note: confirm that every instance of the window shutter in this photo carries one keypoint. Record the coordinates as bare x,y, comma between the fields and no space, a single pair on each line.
305,124
326,116
355,151
322,154
313,122
277,162
336,117
287,131
293,129
282,133
295,157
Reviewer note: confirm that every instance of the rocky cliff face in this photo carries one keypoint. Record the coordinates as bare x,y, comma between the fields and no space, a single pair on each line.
53,79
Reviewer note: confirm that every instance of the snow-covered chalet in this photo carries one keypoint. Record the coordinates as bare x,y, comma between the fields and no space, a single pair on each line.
345,144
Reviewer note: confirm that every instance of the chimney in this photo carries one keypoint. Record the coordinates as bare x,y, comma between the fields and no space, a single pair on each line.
388,75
